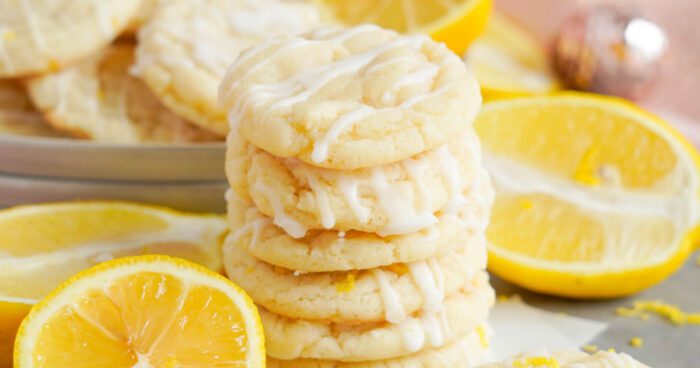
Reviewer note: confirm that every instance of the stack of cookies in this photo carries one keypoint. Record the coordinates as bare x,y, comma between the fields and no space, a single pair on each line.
358,202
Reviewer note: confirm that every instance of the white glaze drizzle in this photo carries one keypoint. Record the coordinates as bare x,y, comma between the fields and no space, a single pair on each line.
402,218
428,284
322,202
416,171
349,187
412,333
281,219
451,172
393,307
320,150
63,80
422,75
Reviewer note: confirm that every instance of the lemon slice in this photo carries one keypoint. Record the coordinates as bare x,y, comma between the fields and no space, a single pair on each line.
507,61
43,245
595,197
455,22
145,311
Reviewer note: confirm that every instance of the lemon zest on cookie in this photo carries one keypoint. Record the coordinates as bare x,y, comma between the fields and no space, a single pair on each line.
636,342
537,361
9,35
483,338
590,348
345,286
642,308
54,65
397,268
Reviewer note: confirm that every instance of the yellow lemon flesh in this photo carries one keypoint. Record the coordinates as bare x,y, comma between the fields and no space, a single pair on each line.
595,197
43,245
144,311
508,62
455,22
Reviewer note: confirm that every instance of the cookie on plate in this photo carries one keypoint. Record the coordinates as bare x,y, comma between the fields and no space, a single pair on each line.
187,45
350,98
17,114
97,99
570,359
38,36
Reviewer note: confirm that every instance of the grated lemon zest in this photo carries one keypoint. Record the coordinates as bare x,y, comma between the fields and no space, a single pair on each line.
636,342
536,362
483,338
642,308
397,268
590,348
346,285
9,35
526,203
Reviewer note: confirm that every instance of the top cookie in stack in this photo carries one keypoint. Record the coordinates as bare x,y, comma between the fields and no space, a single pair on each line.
358,202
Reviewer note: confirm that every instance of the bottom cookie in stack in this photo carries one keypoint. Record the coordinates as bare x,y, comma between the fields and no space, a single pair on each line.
467,351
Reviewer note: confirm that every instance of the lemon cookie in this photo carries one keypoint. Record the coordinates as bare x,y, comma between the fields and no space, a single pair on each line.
398,198
98,99
353,296
17,114
186,46
460,314
570,359
467,351
350,98
45,35
327,250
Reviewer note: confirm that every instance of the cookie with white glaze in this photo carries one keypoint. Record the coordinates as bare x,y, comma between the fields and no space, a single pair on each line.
99,100
186,46
350,98
39,36
398,198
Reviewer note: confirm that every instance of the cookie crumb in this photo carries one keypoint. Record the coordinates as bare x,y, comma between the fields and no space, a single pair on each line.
636,342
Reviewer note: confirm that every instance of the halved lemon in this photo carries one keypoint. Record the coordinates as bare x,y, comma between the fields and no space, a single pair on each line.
145,311
595,197
507,61
43,245
455,22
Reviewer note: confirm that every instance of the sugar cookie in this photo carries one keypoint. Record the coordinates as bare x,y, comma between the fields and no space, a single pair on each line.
38,36
398,198
350,98
186,46
17,114
468,351
354,296
326,250
98,99
462,313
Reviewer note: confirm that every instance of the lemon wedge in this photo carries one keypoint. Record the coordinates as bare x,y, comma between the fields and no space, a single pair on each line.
144,311
455,22
507,61
595,197
43,245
